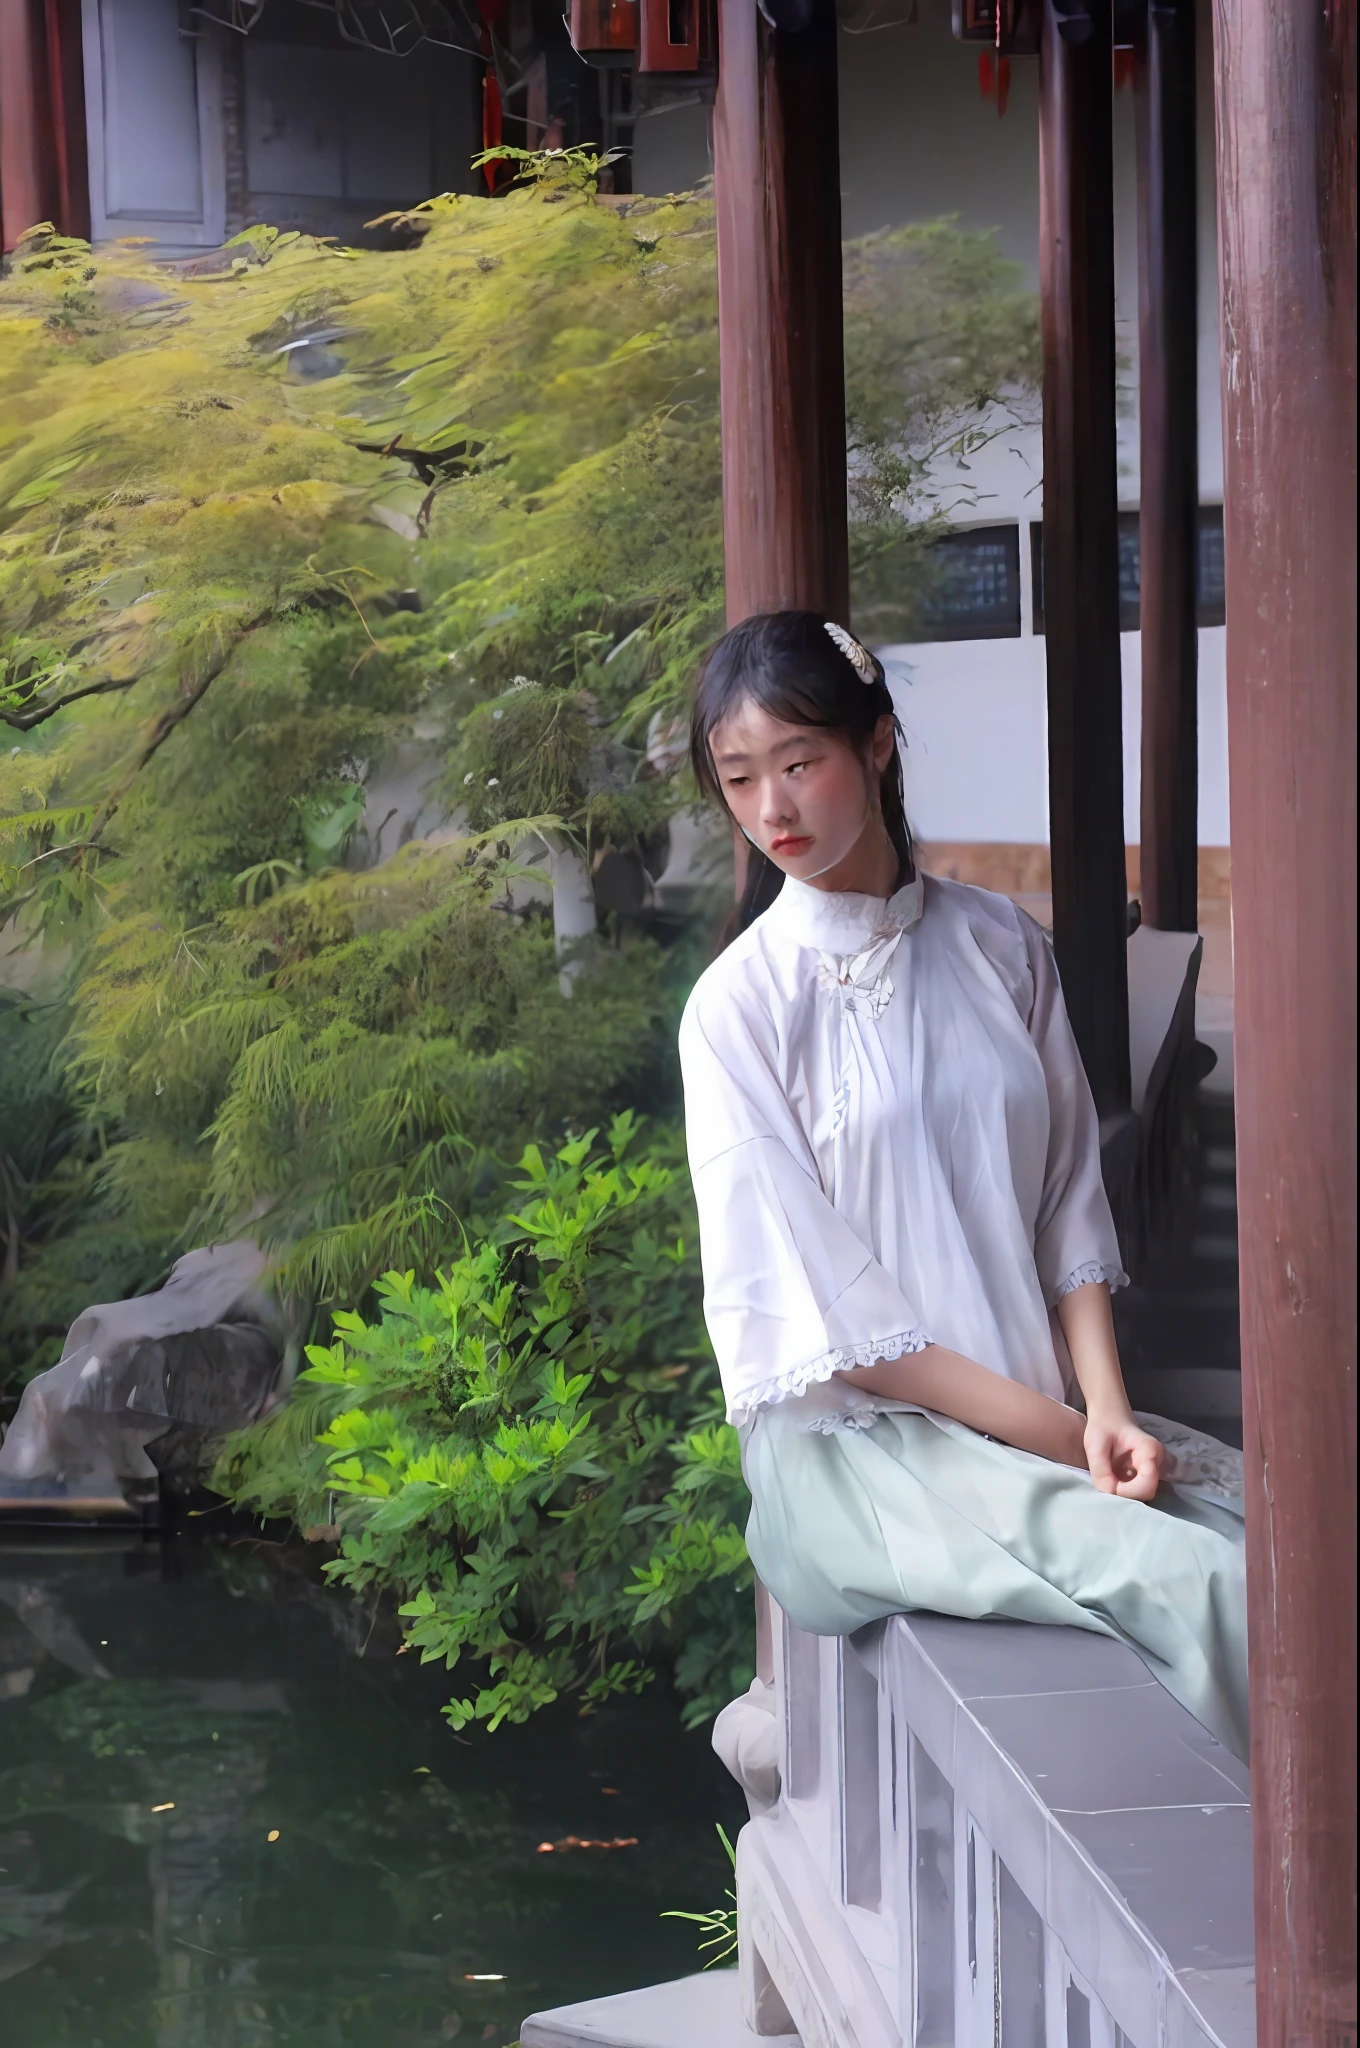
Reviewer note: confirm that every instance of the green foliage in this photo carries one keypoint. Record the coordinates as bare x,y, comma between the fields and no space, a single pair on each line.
229,590
578,169
941,357
532,1451
205,570
718,1928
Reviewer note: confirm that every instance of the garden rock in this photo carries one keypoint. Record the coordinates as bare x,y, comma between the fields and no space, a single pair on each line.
141,1385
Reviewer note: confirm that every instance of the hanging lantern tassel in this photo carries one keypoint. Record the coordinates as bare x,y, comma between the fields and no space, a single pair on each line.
986,74
492,125
1003,85
1123,66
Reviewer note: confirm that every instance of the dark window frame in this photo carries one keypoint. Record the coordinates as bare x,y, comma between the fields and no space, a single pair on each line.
1209,597
1003,620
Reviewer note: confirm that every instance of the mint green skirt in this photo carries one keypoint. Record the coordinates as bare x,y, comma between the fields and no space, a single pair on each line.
914,1512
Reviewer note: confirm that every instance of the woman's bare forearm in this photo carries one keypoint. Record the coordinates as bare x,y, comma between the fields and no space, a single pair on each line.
985,1400
1088,1325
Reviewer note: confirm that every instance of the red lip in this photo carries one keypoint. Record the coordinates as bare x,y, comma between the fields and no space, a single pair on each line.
790,845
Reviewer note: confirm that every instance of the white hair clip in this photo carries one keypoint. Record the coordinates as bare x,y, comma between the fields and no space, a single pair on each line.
859,658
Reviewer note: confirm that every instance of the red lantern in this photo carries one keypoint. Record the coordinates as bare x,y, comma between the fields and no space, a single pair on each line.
670,35
603,27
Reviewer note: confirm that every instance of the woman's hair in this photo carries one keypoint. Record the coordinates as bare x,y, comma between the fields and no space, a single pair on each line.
796,669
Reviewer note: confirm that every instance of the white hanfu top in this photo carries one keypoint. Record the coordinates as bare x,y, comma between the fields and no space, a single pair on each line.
893,1144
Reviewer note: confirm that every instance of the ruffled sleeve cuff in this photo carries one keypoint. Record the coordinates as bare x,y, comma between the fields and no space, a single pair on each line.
799,1379
1113,1275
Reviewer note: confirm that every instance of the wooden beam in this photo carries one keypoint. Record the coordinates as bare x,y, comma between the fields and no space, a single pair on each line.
1285,88
1081,546
776,163
1168,373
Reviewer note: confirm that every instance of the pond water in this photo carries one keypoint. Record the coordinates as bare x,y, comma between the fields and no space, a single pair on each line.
231,1817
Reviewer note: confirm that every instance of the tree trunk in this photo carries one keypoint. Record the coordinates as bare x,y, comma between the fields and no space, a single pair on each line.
574,913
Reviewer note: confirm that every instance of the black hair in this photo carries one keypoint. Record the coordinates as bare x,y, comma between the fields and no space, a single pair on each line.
790,665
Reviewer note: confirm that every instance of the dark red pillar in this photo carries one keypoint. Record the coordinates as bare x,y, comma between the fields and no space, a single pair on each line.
43,166
776,162
1168,374
1285,81
1081,546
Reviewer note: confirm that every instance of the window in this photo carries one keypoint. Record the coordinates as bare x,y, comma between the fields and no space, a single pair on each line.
975,591
1129,563
1209,609
1209,606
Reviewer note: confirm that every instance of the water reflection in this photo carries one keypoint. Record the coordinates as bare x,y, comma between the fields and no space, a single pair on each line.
223,1827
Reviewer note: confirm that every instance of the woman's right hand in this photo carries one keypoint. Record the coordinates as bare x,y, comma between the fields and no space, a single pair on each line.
1122,1457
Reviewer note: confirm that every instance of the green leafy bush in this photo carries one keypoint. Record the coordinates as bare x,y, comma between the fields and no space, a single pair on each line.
531,1452
489,534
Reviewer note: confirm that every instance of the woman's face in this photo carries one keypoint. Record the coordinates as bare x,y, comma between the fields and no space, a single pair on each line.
806,796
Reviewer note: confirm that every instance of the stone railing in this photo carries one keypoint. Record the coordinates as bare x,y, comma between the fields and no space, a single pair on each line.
993,1833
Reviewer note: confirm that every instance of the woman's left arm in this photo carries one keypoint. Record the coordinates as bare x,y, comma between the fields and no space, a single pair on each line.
1122,1457
1075,1248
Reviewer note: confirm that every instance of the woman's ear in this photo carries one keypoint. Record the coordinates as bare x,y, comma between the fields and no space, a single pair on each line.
885,740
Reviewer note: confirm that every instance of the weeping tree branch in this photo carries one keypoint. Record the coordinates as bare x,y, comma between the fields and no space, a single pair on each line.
23,718
192,690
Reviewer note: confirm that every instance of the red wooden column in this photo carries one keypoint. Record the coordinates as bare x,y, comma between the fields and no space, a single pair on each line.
43,166
1168,372
1285,82
26,185
1081,545
776,163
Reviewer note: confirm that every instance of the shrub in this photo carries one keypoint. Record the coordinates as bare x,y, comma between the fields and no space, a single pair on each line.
531,1452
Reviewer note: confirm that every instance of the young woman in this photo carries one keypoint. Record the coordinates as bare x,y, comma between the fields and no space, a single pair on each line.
907,1249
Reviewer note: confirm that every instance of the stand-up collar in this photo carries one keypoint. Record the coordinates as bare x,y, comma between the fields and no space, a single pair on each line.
841,922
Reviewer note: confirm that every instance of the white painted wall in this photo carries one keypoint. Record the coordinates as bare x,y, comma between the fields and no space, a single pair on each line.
975,718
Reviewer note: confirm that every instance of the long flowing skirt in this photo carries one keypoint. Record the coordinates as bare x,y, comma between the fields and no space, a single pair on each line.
918,1512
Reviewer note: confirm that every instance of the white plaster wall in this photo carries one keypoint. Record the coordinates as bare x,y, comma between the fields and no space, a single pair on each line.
976,723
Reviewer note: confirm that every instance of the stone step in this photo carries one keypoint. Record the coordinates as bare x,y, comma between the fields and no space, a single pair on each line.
692,2012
